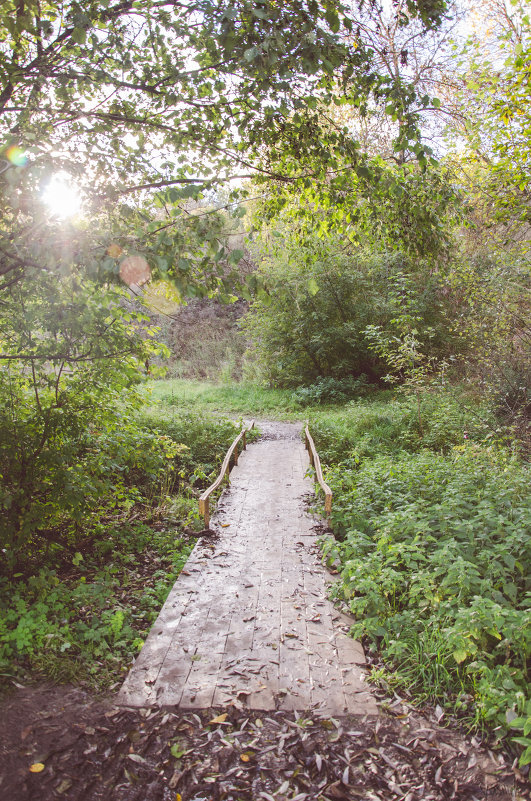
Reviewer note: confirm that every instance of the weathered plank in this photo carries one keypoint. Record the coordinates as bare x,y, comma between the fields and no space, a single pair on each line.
248,619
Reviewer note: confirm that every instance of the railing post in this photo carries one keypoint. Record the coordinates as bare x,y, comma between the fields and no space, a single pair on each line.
319,481
204,510
328,508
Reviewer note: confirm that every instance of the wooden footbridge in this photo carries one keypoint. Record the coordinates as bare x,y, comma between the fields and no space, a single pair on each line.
248,619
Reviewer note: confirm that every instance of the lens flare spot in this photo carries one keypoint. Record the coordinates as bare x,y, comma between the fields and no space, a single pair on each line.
114,251
134,270
16,156
62,196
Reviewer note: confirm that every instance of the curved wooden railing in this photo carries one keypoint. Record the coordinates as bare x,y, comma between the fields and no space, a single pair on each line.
204,499
316,464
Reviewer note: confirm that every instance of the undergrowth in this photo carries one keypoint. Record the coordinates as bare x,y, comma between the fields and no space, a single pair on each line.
77,603
85,622
431,533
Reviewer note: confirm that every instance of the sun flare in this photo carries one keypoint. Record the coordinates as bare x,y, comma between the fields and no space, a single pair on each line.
62,196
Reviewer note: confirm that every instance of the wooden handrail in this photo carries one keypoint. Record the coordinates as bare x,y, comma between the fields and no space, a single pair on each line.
316,464
204,509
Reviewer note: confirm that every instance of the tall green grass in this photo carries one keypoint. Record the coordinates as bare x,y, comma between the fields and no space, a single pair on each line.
235,399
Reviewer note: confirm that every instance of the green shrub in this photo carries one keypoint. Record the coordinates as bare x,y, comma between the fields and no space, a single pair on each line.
86,623
206,438
323,297
332,390
384,424
435,560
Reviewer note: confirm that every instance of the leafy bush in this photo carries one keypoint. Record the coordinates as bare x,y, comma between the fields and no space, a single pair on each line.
86,622
435,562
206,438
431,534
384,424
71,354
332,390
72,603
323,296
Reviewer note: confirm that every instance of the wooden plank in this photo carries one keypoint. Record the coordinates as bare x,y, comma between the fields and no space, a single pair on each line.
248,619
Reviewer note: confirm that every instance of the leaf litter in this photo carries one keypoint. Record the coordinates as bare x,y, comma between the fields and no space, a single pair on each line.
96,752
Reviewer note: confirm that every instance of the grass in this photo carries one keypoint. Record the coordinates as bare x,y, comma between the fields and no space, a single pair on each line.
243,399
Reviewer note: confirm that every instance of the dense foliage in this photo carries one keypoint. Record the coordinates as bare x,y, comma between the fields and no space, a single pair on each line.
148,104
431,534
105,549
326,296
380,263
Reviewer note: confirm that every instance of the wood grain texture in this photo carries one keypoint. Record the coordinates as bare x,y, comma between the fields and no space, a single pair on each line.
248,620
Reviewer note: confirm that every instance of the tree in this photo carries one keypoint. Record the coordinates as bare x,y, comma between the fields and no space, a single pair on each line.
136,96
492,130
327,296
68,351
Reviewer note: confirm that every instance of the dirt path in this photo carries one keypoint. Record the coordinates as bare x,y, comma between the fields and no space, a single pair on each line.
248,617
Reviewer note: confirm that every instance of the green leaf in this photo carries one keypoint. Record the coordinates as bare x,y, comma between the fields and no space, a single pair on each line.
236,256
332,19
79,35
460,655
250,53
525,758
313,287
177,750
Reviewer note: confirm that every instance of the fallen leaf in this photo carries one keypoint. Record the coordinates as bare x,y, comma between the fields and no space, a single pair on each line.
177,751
137,758
219,719
245,757
37,767
174,781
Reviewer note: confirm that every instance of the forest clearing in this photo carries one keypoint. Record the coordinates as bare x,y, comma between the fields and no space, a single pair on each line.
309,214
